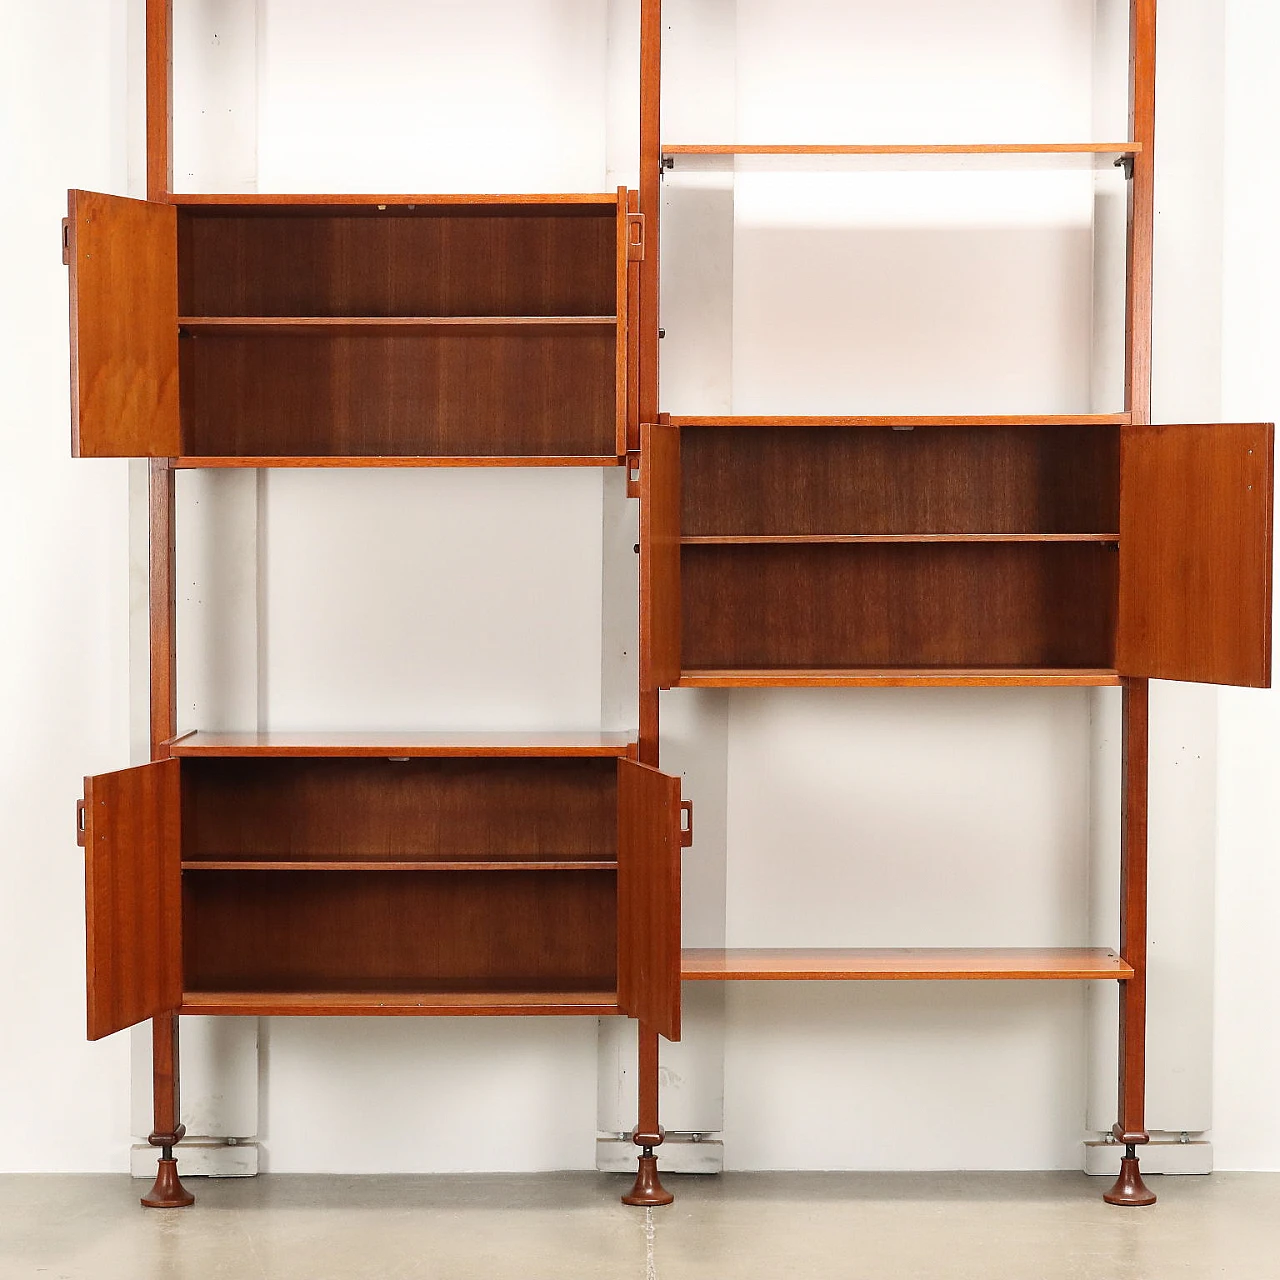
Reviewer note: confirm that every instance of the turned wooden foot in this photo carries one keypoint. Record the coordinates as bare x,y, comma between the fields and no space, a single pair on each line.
168,1191
1129,1187
648,1189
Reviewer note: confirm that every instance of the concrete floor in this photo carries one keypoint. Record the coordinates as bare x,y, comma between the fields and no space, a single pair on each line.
1042,1226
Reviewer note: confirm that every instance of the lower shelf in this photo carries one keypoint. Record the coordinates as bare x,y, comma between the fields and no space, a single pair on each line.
887,964
266,1004
894,677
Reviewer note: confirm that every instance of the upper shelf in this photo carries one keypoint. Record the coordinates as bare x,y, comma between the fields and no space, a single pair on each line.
916,420
998,155
281,743
240,326
352,205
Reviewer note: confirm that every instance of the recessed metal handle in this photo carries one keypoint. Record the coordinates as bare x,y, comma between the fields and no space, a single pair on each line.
81,834
686,823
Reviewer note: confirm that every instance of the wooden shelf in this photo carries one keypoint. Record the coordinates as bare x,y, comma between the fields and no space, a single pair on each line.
915,420
899,964
752,539
895,677
426,1004
241,326
373,203
404,864
193,463
1000,155
284,743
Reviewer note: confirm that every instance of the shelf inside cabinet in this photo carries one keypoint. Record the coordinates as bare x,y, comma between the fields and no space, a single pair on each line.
392,745
353,326
401,864
895,677
899,964
405,1004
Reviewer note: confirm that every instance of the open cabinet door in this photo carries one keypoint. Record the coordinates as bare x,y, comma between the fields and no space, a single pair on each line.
123,256
133,895
1195,553
649,842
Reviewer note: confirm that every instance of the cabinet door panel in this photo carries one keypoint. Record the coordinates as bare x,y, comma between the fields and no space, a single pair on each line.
659,556
1195,553
133,896
649,897
123,256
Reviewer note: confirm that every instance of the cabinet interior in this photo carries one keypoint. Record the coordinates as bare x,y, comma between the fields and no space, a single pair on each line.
435,330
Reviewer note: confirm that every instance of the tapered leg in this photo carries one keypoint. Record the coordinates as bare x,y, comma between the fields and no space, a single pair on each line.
648,1188
1130,1128
168,1191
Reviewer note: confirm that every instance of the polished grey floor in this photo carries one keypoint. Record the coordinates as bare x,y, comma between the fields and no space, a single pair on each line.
1042,1226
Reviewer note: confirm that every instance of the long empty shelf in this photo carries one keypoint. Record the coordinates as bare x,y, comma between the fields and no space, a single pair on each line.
264,1004
786,539
240,326
999,155
401,864
193,462
921,964
895,677
378,203
286,743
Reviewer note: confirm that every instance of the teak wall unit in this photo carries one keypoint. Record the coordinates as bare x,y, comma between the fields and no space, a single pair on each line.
359,873
276,873
874,551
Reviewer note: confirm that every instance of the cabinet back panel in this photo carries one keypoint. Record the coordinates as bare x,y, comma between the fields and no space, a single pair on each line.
520,392
898,605
426,263
811,480
442,810
398,931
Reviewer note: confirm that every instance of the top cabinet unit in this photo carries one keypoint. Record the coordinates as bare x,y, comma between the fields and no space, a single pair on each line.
357,330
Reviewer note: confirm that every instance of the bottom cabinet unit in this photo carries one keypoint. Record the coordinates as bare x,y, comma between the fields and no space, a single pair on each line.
242,879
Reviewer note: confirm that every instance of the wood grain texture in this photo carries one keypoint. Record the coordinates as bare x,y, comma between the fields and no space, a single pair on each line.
881,420
929,481
1140,215
854,539
363,932
369,864
451,393
450,261
897,964
1135,778
650,202
159,98
622,337
891,149
449,1004
124,336
468,745
660,500
649,897
132,903
896,677
282,326
1196,553
267,203
275,461
283,809
899,605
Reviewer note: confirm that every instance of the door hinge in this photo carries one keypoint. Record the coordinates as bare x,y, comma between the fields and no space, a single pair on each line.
633,473
66,242
686,823
635,237
81,833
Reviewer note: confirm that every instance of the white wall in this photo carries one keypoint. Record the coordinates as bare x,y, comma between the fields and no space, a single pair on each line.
811,1074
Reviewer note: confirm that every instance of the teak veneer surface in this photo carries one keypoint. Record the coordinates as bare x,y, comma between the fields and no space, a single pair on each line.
894,677
933,480
468,262
450,392
881,964
288,743
269,204
275,461
394,1003
891,149
282,809
315,931
1009,605
910,421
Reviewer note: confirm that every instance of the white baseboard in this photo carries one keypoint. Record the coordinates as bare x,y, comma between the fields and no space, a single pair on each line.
199,1158
678,1154
1165,1153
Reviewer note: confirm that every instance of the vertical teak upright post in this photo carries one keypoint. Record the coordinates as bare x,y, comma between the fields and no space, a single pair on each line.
1130,1127
167,1129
